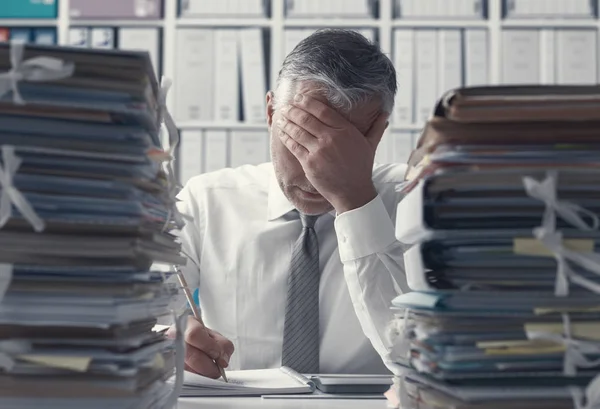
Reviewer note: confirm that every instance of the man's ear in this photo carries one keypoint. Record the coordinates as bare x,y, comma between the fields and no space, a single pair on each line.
377,130
270,108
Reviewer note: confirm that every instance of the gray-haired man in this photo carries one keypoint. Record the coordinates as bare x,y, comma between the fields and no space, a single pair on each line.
296,260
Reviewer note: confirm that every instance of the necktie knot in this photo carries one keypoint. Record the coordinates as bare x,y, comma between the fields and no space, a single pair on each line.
308,221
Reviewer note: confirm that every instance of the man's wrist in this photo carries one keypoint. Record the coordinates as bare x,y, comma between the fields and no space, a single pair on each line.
355,200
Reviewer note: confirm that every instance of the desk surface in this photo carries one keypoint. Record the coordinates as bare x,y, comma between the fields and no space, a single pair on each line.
260,403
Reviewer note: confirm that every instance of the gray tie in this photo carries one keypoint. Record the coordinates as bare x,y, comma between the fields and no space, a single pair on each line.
301,328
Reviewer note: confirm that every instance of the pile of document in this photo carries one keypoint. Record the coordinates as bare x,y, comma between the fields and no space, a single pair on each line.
86,215
501,213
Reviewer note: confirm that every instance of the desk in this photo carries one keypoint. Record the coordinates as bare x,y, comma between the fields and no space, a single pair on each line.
259,403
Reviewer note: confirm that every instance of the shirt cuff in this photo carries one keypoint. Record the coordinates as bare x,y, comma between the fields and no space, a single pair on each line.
364,231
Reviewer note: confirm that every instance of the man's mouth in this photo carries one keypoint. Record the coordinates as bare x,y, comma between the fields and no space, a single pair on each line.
310,193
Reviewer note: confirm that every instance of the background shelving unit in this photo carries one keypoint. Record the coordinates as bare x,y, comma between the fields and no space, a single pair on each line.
275,23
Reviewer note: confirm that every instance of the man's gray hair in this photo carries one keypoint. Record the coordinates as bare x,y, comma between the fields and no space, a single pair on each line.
349,69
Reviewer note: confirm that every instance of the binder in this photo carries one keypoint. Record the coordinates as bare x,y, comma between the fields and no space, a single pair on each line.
331,8
426,82
404,63
548,56
45,36
248,147
254,83
383,154
103,38
291,38
251,8
28,9
407,8
445,9
368,33
194,75
116,9
476,57
415,139
142,39
229,8
576,56
450,69
20,34
402,146
423,8
191,155
520,56
549,8
79,37
216,147
227,81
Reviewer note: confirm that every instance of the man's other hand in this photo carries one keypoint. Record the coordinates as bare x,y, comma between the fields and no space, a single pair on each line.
203,347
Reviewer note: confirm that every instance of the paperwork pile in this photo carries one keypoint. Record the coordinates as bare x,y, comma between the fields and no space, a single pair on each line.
501,212
85,213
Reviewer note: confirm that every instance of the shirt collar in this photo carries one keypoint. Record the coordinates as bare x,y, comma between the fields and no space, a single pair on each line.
278,204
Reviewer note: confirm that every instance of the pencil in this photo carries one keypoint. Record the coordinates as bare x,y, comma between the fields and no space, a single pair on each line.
195,311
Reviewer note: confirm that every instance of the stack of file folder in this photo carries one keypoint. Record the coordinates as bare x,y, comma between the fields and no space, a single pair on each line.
501,212
86,219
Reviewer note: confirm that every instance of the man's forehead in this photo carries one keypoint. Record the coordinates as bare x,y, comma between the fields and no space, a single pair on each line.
361,117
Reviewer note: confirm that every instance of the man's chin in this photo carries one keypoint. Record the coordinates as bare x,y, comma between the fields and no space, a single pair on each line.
314,205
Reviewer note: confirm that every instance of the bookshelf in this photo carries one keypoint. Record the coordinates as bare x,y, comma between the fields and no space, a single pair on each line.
275,24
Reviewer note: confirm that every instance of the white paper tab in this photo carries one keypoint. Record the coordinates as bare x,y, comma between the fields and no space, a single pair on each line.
6,273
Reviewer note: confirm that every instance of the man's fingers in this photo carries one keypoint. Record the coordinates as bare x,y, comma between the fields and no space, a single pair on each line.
171,332
299,151
297,133
200,363
323,112
304,119
198,336
227,348
375,134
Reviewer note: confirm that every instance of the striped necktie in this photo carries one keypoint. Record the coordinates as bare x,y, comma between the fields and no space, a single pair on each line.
301,328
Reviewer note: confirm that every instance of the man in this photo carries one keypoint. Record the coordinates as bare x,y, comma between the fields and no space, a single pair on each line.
277,285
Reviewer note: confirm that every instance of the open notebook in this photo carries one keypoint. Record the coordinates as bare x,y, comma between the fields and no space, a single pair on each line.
255,382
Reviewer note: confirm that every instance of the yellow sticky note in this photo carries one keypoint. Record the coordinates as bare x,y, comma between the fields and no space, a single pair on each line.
78,364
534,247
548,311
526,350
589,330
520,347
159,362
503,344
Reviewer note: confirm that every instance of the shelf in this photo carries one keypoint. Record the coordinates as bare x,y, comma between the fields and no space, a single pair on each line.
550,23
221,22
117,23
221,125
30,22
321,22
441,23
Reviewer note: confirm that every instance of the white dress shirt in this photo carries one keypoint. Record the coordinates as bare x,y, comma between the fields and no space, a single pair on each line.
241,239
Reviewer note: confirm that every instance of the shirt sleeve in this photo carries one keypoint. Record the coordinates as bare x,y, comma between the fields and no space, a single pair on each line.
190,237
373,268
